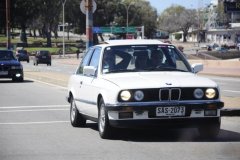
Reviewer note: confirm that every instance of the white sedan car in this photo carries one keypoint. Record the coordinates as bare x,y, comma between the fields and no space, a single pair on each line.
142,83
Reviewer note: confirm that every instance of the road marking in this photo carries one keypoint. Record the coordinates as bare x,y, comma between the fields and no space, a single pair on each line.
27,123
231,91
50,84
47,106
35,110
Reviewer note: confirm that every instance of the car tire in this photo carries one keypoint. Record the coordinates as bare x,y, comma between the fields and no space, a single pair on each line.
211,129
27,61
104,128
77,120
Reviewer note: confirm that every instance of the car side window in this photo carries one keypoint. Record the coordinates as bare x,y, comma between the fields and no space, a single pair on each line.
95,58
85,60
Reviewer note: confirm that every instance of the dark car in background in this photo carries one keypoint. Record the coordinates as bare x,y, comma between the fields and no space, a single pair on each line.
10,67
22,55
43,57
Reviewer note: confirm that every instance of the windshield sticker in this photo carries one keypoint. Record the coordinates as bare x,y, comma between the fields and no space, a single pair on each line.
162,46
139,46
170,47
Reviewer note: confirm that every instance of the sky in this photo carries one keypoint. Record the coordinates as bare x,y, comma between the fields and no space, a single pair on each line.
160,5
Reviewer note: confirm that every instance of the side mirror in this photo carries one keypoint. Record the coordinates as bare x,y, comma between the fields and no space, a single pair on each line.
89,70
197,67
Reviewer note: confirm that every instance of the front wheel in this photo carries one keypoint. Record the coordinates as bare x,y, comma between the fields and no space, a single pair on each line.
103,122
76,118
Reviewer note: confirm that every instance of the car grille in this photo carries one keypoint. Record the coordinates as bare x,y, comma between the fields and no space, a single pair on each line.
169,94
4,68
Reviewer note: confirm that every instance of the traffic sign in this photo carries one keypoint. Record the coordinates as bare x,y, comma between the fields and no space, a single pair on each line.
114,29
83,6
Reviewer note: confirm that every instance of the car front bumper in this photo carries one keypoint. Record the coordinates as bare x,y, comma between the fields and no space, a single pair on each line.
14,73
144,114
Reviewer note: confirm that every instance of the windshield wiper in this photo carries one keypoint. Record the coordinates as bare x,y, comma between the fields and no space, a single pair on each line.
121,70
162,68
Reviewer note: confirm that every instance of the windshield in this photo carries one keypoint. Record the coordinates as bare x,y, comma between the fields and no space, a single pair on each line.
22,52
6,55
44,53
135,58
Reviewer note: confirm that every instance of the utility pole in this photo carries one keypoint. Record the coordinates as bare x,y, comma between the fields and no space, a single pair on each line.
8,24
89,23
63,4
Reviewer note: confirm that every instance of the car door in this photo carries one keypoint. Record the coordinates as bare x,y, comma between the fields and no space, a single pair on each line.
77,81
89,88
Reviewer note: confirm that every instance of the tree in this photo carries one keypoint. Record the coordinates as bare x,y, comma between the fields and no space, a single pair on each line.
50,15
187,19
140,13
3,16
222,18
169,18
177,18
23,12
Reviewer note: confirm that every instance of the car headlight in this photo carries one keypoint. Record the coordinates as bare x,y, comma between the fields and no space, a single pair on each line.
210,93
16,67
198,93
125,95
138,95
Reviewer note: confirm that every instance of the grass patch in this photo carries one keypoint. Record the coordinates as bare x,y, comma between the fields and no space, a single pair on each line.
52,50
231,54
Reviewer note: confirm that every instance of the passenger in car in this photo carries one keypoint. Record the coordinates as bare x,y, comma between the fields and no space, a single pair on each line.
156,58
111,63
142,59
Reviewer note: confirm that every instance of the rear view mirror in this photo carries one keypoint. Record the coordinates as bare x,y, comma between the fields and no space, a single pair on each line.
89,71
197,67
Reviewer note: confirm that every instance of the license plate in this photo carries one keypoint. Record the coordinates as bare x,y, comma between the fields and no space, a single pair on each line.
43,56
170,111
2,73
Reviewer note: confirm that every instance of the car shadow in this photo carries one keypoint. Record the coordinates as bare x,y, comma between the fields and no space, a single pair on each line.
10,81
167,135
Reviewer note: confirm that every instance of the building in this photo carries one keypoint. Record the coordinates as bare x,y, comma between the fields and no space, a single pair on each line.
219,32
212,28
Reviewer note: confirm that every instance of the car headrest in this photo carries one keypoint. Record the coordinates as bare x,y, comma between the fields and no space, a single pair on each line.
140,53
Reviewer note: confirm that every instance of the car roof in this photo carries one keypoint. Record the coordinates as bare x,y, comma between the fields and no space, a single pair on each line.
133,42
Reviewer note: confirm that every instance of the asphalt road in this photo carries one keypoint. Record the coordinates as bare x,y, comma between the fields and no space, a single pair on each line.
34,125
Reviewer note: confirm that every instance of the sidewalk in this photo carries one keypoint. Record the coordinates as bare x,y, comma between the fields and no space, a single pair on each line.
211,67
228,68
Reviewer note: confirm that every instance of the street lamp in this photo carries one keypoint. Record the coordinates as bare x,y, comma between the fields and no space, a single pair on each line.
63,4
127,9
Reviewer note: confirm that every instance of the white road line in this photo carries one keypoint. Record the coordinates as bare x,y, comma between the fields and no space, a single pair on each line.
47,106
231,91
27,123
50,84
35,110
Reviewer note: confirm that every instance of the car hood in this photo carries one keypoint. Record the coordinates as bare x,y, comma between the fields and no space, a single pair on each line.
9,62
158,80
